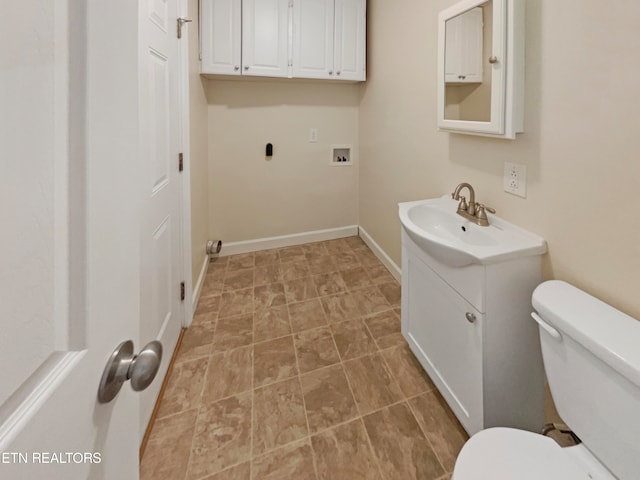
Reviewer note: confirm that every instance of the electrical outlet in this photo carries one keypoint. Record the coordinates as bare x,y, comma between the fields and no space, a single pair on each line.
313,135
515,179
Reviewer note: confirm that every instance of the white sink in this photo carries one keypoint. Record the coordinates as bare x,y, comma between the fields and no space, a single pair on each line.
436,227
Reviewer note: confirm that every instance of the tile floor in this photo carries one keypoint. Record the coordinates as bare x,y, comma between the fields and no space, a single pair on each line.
295,368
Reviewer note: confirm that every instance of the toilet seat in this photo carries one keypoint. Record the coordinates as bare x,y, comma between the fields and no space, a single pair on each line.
509,454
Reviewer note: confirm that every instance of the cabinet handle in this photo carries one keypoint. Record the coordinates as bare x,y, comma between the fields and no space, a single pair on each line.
236,68
330,72
338,72
493,59
471,317
246,67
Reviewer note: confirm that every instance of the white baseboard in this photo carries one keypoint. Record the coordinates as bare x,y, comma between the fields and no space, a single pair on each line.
197,288
247,246
394,269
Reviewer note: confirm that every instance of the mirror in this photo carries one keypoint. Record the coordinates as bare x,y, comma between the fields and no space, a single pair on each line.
481,68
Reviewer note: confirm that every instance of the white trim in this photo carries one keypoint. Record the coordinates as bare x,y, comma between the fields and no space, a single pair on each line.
394,269
287,240
185,176
197,290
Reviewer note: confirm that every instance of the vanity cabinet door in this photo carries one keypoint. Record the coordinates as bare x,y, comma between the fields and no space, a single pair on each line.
313,38
265,38
221,36
350,39
445,333
463,56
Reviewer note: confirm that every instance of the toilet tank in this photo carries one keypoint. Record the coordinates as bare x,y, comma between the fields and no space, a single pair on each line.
593,370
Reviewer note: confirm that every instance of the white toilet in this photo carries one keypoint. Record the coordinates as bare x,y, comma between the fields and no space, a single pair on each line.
591,356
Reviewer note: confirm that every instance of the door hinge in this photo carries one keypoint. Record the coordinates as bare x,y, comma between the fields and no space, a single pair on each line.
180,162
182,292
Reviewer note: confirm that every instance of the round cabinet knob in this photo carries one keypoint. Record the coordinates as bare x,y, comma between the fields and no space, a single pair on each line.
330,72
338,72
471,317
236,68
246,67
493,59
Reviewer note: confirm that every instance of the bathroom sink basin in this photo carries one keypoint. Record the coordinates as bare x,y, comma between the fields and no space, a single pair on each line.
435,227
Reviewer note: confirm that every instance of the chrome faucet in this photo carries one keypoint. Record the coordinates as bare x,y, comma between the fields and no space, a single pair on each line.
476,212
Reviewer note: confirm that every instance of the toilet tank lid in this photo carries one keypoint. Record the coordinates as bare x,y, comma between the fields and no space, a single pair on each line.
609,334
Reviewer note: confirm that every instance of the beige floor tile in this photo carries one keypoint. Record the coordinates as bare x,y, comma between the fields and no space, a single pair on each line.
208,304
266,257
238,302
306,315
267,296
402,451
352,339
366,257
320,265
346,260
440,426
336,246
222,437
218,262
329,283
391,292
233,332
379,275
184,388
327,398
291,462
385,329
372,384
355,242
315,349
267,274
273,360
197,340
271,323
343,453
340,307
355,278
213,283
291,254
243,260
408,372
238,279
229,374
170,435
300,290
369,301
278,416
239,472
316,249
294,270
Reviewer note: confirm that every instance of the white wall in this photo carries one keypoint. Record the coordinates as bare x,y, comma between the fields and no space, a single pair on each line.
297,190
580,145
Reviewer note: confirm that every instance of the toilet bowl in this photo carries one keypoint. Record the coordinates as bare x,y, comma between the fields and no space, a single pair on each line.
591,355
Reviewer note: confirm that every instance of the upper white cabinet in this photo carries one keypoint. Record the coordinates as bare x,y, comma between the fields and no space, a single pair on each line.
323,39
265,37
221,39
329,39
463,55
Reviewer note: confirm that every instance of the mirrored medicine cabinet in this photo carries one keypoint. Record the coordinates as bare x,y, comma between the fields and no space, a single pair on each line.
481,68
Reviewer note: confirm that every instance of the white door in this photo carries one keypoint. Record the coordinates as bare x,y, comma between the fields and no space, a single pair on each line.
350,39
161,311
221,36
313,38
70,258
265,37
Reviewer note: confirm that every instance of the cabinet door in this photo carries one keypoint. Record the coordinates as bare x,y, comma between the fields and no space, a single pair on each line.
265,38
446,342
464,40
313,38
350,39
221,30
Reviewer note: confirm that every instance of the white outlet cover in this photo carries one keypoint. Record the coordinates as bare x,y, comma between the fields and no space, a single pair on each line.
313,135
515,179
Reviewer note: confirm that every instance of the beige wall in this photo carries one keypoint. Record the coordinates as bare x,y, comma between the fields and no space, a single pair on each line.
581,143
297,190
199,158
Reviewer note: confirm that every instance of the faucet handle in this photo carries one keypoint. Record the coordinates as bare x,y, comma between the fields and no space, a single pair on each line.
481,214
462,206
484,207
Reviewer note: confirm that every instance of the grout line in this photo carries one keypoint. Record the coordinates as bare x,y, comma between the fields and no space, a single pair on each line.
425,434
253,357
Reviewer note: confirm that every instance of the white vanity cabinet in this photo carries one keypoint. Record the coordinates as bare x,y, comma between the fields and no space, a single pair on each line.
329,39
464,43
322,39
470,328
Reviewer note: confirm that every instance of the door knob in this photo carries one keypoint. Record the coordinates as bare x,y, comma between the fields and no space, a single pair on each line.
124,365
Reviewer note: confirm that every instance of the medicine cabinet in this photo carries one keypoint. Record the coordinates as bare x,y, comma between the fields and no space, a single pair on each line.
481,68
